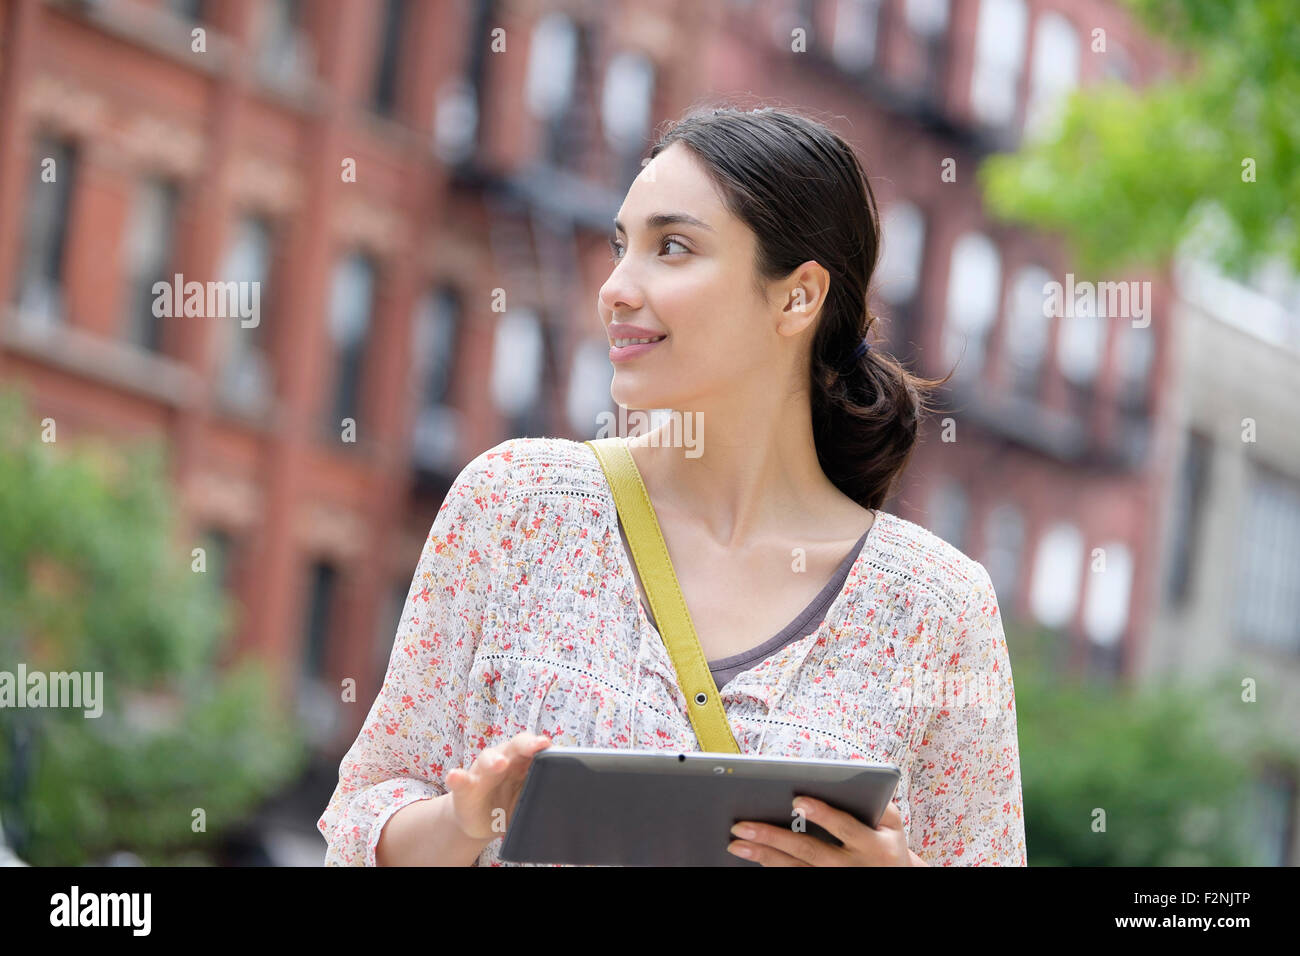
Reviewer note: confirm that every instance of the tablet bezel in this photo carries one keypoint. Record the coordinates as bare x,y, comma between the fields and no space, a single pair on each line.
539,827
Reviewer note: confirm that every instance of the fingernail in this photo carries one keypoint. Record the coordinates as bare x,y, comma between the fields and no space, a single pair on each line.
740,850
742,831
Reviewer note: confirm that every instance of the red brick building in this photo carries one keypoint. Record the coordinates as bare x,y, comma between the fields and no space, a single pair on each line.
422,193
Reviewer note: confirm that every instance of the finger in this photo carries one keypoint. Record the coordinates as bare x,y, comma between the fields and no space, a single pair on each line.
800,846
525,745
892,818
489,763
765,854
848,828
519,753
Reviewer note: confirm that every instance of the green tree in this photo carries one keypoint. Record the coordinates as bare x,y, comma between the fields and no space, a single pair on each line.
93,580
1164,763
1130,173
1208,153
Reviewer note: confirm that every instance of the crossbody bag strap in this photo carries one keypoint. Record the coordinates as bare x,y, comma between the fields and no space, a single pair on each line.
703,701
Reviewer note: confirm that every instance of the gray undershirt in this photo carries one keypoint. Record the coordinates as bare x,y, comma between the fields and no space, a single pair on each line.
807,621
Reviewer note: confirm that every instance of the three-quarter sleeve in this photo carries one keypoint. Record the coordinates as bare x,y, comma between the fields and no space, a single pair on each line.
414,733
966,806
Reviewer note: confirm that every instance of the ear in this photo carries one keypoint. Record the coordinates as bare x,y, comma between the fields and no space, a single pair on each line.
803,296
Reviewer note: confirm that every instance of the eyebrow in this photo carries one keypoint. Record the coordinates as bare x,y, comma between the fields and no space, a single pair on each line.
661,219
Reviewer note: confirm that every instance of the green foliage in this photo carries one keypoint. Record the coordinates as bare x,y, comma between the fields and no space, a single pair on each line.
92,579
1131,172
1166,764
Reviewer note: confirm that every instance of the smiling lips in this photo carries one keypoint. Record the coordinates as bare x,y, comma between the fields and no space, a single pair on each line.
623,349
628,341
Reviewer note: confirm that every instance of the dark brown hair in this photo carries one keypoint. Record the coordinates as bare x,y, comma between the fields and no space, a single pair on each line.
801,189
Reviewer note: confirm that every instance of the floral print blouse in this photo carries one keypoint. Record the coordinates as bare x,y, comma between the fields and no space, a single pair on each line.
523,615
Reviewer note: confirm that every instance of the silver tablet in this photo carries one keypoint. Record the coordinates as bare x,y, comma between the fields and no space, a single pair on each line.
600,807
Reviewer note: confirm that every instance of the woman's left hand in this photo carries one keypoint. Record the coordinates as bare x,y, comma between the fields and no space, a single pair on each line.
885,845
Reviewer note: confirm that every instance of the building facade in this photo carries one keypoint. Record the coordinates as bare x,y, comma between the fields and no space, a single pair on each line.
421,192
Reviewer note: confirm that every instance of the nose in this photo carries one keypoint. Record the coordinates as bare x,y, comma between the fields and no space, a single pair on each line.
620,293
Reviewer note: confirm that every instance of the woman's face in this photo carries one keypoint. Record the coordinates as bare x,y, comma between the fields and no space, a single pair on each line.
687,274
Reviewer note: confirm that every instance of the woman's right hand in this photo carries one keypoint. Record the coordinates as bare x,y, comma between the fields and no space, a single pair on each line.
493,781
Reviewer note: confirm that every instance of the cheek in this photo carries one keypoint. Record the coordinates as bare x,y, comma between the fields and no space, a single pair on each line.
702,303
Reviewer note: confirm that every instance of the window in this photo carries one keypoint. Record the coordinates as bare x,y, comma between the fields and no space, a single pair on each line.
148,255
319,615
1105,610
437,325
926,18
1135,357
974,290
386,76
1005,536
626,100
1267,599
1054,72
244,380
1028,329
283,53
1080,344
561,91
351,302
455,123
1058,567
1189,505
217,549
187,9
552,66
928,21
853,43
999,59
437,425
318,702
899,269
49,198
948,511
1136,348
589,384
518,357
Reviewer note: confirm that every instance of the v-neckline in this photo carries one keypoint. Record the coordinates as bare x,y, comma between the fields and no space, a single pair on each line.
643,619
799,622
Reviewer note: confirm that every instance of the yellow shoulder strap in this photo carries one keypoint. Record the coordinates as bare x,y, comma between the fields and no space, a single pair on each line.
704,703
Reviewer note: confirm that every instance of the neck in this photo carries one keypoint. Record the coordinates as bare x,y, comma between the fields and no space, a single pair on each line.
757,476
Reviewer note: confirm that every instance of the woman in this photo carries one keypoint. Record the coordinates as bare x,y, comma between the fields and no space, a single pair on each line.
745,249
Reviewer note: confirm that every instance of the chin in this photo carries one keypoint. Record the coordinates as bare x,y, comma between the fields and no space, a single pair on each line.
639,399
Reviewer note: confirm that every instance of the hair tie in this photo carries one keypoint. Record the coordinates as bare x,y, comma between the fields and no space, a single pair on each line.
852,364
